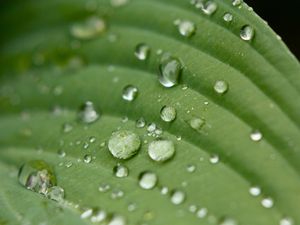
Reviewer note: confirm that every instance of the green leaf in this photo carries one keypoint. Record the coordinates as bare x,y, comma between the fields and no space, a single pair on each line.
57,55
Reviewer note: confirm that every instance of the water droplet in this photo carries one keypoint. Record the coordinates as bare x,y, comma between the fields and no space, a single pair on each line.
267,202
169,71
118,3
68,164
191,168
254,191
142,51
37,175
209,7
124,144
98,216
185,27
164,190
87,158
151,127
147,180
115,194
87,113
104,187
168,113
177,197
91,28
161,150
201,213
286,221
221,87
86,213
247,33
131,207
140,123
130,92
67,127
214,158
236,2
120,171
256,135
197,123
56,193
117,220
228,221
193,208
227,17
61,153
92,139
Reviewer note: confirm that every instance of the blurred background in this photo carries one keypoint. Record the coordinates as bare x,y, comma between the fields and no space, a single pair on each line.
283,17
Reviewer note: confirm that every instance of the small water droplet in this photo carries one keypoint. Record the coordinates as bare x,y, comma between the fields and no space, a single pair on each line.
214,158
267,202
87,158
221,87
193,208
68,164
92,139
227,17
130,93
98,216
147,180
197,123
254,191
191,168
168,113
124,144
56,193
117,193
67,127
247,33
104,187
164,190
131,207
228,221
286,221
142,51
118,3
256,135
140,123
161,150
89,29
169,71
236,2
86,213
37,175
87,113
209,7
202,212
185,27
120,171
177,197
61,153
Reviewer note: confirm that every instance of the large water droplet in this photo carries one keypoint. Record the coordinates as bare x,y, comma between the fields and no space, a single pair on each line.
185,27
87,113
209,7
142,51
221,87
227,17
124,144
120,171
147,180
130,92
177,197
169,71
56,193
228,221
91,28
161,150
37,175
117,220
214,159
236,2
286,221
267,202
168,113
254,191
247,33
256,135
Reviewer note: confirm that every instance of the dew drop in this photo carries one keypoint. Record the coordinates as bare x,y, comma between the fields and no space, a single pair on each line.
147,180
120,171
209,8
193,208
142,51
118,3
67,127
86,213
185,27
236,2
87,113
61,153
98,216
247,33
115,194
56,193
37,175
140,123
89,29
190,168
117,220
169,71
254,191
267,202
161,150
286,221
197,123
177,197
221,87
104,187
227,17
124,144
87,158
202,212
130,92
214,159
92,139
164,190
256,135
228,221
131,207
168,113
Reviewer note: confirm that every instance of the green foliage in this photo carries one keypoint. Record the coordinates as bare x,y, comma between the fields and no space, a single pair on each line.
57,55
